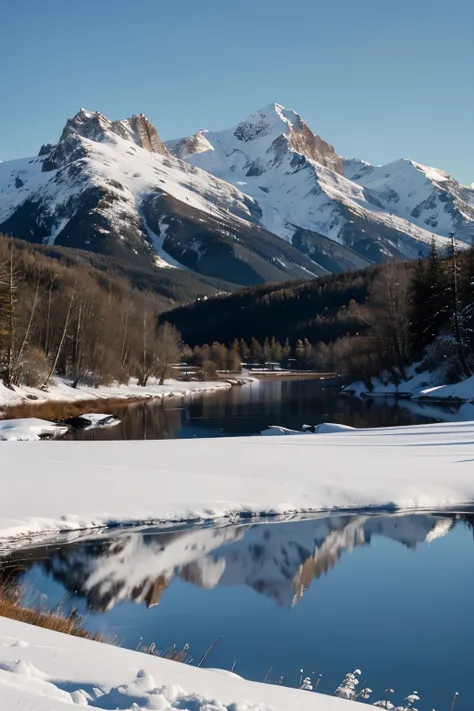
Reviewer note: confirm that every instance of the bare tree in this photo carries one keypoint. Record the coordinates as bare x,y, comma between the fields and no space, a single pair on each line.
17,365
388,315
8,302
63,336
168,349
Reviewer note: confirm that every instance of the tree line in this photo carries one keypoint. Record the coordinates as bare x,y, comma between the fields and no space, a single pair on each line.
77,322
383,320
415,312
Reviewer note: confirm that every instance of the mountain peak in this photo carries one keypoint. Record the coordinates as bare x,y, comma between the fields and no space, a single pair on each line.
190,145
94,126
272,120
274,125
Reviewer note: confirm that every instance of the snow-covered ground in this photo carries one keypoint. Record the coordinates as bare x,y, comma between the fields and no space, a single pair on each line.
417,386
63,485
29,428
41,670
61,391
323,428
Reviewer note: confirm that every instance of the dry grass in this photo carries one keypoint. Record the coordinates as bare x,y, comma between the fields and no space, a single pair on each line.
56,411
12,606
176,655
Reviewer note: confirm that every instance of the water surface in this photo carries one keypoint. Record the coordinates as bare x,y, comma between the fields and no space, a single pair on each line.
389,594
249,409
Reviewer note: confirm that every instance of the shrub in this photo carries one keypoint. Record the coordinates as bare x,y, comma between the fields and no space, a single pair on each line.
33,368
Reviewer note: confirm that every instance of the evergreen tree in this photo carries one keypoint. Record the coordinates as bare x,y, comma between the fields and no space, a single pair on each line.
437,299
276,351
255,351
244,351
453,291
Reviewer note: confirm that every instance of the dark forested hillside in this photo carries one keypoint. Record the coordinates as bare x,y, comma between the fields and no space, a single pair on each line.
319,310
177,285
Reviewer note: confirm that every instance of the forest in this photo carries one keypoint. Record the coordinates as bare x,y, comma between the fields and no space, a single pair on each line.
68,313
60,317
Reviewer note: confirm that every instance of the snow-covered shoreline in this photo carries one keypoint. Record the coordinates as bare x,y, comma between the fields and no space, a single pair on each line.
423,387
45,670
66,486
61,391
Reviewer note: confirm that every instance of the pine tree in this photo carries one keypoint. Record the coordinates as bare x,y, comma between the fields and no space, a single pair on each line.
437,299
454,289
255,350
419,294
244,351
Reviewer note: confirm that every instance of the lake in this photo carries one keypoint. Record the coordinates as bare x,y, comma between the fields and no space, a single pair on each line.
388,594
249,409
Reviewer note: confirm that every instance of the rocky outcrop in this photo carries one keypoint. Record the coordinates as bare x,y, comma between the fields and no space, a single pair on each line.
303,140
143,133
190,145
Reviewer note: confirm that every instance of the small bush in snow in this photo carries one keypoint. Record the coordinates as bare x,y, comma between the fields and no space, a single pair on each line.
347,688
33,368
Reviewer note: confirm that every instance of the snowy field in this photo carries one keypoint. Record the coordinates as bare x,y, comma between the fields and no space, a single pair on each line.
62,485
61,391
42,670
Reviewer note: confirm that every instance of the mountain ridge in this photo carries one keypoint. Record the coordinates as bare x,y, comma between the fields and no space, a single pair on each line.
266,200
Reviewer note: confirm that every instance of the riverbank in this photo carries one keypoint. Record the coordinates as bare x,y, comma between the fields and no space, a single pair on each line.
271,375
61,397
422,386
50,671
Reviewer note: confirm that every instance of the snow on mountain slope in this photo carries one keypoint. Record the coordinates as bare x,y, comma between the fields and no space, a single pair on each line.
428,197
266,200
112,187
300,182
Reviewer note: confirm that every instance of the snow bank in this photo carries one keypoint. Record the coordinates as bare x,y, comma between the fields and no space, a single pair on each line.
44,670
327,427
29,428
459,391
61,391
323,428
52,486
417,386
277,430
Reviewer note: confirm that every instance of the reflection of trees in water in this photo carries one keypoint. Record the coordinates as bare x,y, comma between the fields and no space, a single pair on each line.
251,409
292,404
139,421
152,421
468,520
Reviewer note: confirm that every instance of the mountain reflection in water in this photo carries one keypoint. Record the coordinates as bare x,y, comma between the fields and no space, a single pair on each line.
278,560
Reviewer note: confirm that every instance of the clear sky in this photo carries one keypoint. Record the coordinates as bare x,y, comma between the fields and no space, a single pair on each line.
379,79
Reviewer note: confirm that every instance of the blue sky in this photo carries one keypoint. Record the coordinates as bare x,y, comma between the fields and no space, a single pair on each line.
380,79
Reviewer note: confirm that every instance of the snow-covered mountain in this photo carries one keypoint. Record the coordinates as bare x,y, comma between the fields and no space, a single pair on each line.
428,197
305,190
266,200
279,561
112,187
